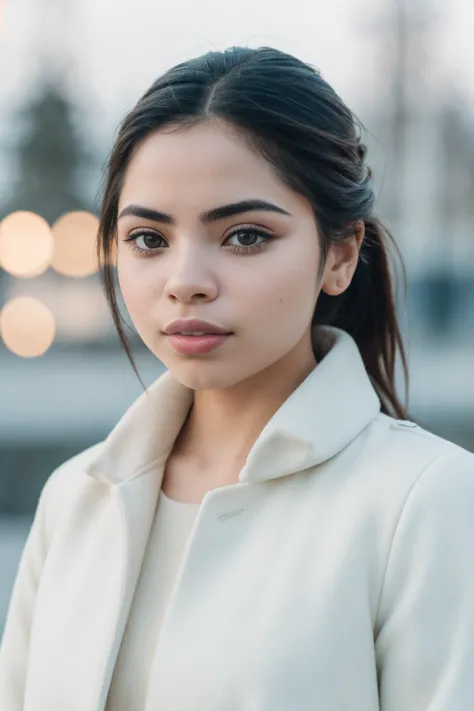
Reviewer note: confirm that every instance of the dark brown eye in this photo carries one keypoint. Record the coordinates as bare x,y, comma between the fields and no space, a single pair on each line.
247,237
149,242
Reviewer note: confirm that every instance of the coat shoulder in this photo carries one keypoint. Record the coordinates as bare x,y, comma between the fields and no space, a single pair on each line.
410,451
407,434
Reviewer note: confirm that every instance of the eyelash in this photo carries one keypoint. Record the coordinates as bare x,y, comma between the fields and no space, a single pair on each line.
252,249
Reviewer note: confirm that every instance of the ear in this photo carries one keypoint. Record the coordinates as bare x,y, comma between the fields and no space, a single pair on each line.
342,261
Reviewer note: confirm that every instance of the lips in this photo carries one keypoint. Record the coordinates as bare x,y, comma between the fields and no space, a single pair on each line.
192,326
197,345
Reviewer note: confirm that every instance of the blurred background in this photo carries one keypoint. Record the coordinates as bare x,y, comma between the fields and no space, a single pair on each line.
70,70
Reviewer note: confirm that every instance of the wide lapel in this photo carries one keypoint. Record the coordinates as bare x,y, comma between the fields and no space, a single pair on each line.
130,464
82,606
136,500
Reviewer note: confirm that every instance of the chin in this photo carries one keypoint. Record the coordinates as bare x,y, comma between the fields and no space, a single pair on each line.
204,373
200,376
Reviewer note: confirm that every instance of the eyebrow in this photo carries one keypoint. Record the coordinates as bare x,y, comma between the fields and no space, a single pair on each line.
218,213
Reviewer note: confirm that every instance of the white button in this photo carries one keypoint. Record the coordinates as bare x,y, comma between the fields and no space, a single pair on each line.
406,423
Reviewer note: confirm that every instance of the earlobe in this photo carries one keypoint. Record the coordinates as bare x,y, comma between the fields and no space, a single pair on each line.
331,280
333,287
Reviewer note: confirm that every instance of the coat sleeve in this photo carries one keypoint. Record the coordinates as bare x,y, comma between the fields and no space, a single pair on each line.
14,648
425,626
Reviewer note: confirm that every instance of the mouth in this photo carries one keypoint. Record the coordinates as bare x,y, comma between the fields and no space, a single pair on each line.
197,343
199,333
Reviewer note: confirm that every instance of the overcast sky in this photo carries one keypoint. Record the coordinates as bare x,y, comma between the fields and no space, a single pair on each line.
118,48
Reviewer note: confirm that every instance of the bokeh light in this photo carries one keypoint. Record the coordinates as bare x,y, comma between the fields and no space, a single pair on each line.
27,327
75,235
26,244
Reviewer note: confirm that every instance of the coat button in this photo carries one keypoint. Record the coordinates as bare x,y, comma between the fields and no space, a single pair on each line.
406,423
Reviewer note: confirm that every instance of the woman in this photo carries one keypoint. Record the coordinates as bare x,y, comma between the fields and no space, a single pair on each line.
263,529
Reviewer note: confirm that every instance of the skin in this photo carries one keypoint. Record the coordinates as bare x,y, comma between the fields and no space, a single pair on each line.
266,298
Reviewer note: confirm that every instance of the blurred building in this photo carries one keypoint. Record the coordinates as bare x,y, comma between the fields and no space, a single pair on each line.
427,198
421,138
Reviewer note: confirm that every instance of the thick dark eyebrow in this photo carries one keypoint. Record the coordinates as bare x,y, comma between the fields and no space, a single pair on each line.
218,213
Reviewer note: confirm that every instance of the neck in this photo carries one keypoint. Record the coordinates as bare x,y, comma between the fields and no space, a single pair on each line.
223,424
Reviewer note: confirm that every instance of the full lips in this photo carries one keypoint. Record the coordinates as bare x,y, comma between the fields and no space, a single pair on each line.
197,345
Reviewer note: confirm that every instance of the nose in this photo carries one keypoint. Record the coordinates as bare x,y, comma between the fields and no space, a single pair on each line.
190,278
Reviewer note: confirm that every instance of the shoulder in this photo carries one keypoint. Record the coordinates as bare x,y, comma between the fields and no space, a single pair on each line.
425,467
407,437
393,464
432,532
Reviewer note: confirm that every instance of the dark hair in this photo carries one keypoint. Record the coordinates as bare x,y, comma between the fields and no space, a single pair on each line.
296,121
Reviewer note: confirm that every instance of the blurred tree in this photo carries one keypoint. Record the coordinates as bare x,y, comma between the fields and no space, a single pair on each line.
49,153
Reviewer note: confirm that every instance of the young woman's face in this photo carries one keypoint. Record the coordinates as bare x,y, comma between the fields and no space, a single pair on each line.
253,274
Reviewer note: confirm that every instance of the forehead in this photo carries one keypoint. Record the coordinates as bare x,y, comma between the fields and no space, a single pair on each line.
195,162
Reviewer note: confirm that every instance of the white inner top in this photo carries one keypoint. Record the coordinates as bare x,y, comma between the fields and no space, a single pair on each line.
168,536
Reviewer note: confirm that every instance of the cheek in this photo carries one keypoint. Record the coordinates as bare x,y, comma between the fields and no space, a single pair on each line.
284,291
139,286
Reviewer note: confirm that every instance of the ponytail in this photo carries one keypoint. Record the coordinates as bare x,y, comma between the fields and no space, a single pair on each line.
367,311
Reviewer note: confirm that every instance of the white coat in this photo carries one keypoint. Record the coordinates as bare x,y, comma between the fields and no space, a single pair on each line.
337,574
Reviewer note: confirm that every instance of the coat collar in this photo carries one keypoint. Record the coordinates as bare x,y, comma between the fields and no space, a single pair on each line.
334,403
